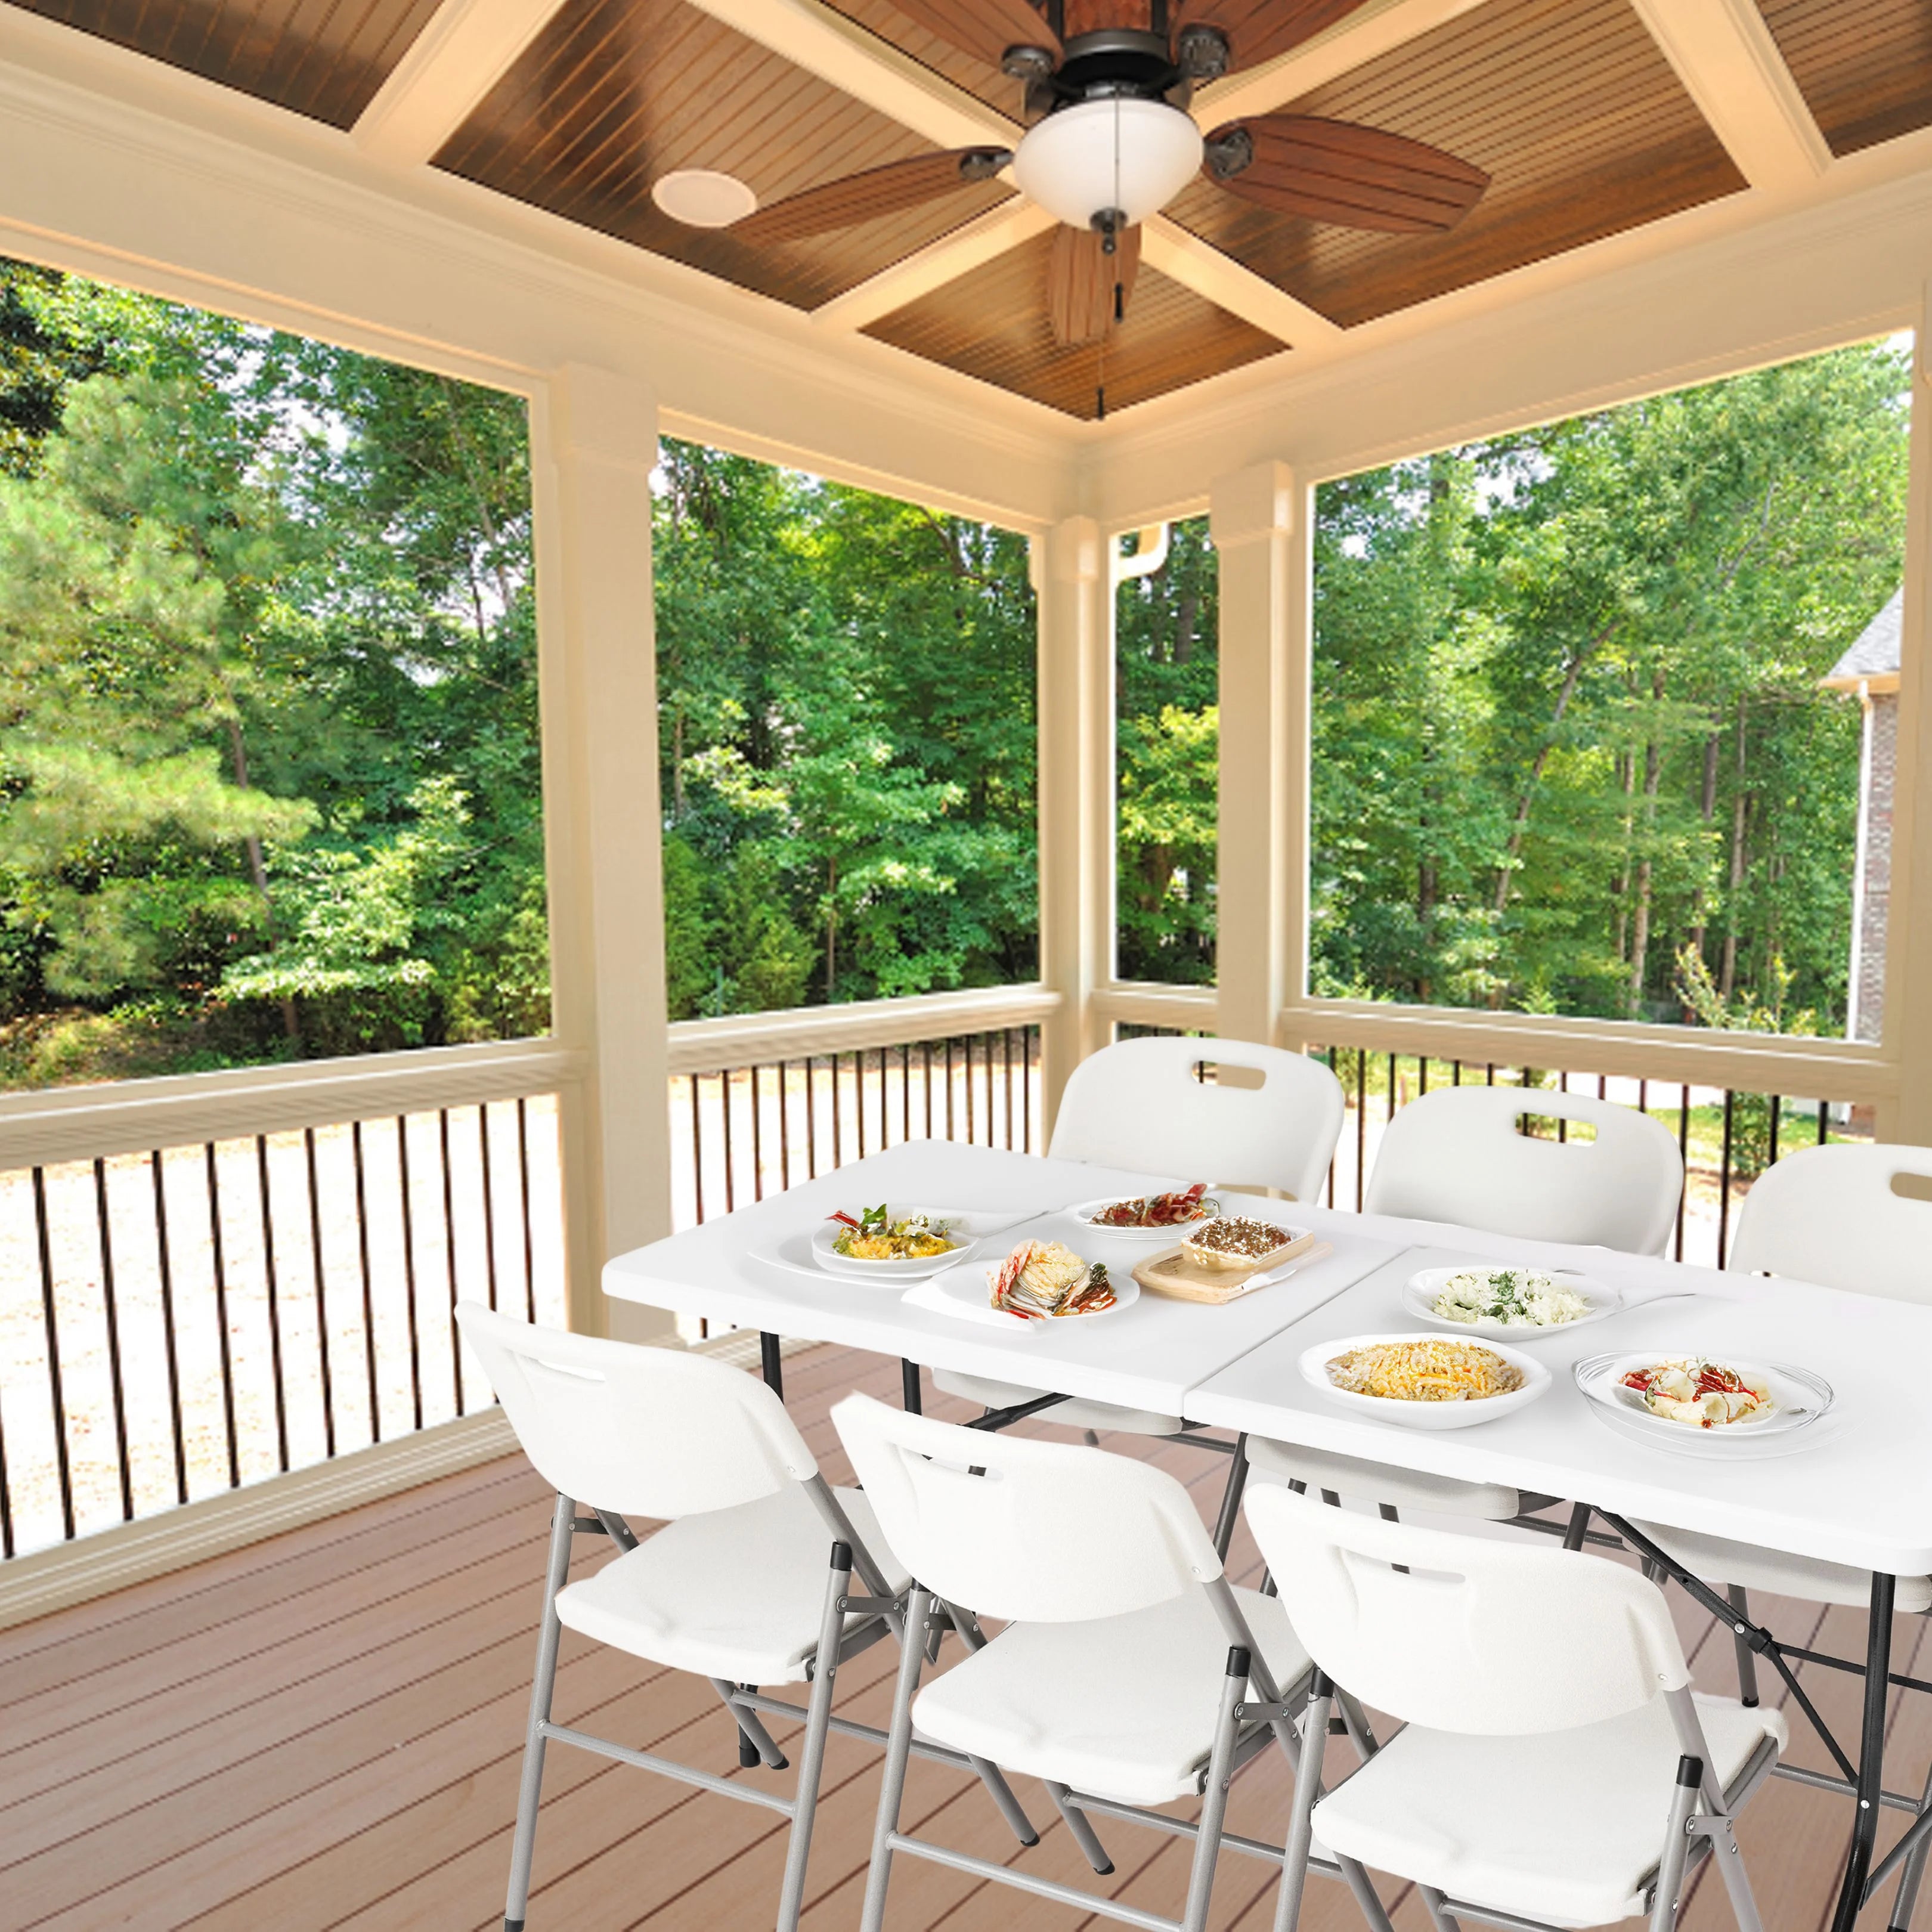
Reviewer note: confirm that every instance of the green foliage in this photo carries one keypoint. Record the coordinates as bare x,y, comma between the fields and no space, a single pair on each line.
1567,719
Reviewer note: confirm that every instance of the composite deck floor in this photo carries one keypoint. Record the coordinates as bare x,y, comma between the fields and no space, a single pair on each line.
323,1731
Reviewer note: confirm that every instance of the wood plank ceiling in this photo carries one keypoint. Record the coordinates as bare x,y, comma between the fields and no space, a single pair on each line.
324,61
1864,67
1568,104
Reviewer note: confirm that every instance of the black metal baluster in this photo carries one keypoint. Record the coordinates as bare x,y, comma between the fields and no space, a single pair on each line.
489,1197
757,1133
1684,1155
449,1257
926,1047
112,1313
972,1127
523,1175
409,1266
1776,1103
321,1297
858,1095
6,1499
221,1317
1724,1175
905,1091
950,1134
1455,1073
56,1388
165,1260
885,1121
785,1126
1562,1087
1391,1088
1824,1120
1421,1075
838,1131
1007,1074
274,1287
368,1283
812,1116
696,1151
725,1126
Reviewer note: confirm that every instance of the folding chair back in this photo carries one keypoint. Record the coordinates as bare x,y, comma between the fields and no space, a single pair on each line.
1048,1532
1456,1155
1141,1105
1471,1636
640,1431
1830,1215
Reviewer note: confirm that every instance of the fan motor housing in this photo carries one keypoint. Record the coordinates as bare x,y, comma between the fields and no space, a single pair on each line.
1116,61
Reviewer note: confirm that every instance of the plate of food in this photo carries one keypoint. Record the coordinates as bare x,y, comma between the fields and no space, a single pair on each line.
1425,1382
1230,1241
890,1242
1704,1405
1521,1303
1041,1281
1151,1219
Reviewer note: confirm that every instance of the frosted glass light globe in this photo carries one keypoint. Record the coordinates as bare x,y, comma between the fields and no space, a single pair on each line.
1118,153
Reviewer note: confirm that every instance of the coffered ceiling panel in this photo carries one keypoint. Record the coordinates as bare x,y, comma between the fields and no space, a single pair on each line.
998,91
614,93
993,324
1567,104
323,61
1864,67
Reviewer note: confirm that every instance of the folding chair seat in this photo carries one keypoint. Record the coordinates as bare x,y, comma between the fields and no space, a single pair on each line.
1456,1155
750,1582
1126,1652
1139,1105
1554,1763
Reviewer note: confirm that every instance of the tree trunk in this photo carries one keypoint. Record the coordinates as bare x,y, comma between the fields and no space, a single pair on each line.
1727,977
1186,613
258,868
1653,771
1708,806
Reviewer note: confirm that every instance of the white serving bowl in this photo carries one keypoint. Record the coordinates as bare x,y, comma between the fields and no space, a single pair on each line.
1152,1237
1420,1291
1424,1414
889,1272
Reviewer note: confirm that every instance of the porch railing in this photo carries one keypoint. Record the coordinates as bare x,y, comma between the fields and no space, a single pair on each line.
186,1317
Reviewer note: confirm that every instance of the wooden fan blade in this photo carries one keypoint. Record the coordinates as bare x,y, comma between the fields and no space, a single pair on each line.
984,29
1081,280
1258,30
853,199
1353,176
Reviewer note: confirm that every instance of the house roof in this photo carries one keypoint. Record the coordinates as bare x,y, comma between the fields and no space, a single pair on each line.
1873,661
1576,110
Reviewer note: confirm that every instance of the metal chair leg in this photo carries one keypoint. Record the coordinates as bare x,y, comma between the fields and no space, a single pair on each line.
1081,1828
1739,1598
756,1745
817,1728
899,1751
549,1633
1913,1873
1214,1800
1307,1790
1676,1846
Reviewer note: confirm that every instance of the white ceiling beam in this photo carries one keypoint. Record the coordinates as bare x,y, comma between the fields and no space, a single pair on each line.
1375,29
987,236
823,41
1730,67
467,47
1183,257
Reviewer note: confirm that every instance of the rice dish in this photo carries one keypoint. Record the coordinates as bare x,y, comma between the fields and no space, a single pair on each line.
1040,1279
1430,1371
1514,1297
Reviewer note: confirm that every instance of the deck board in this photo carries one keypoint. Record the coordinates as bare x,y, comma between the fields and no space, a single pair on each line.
324,1732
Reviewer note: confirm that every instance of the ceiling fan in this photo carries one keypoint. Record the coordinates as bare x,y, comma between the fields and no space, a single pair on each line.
1107,84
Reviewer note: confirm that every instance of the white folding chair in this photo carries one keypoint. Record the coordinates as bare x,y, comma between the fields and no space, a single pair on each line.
1117,1679
1141,1104
1554,1765
1457,1155
1829,1215
736,1587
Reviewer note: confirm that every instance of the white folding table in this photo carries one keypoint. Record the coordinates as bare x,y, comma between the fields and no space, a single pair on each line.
1859,1492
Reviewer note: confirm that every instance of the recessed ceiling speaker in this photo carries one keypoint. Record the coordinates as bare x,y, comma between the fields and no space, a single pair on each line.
702,198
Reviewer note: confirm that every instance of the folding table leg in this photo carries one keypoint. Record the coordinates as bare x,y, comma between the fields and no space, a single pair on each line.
1740,1600
910,1395
1871,1754
1231,1499
768,1360
549,1632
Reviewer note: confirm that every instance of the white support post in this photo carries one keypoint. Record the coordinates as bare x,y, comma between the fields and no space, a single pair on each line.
1907,1116
596,610
1076,793
1261,542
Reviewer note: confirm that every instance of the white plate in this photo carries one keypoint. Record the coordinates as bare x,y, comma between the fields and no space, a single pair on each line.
1420,1291
1801,1397
1424,1414
1175,1231
973,1287
892,1273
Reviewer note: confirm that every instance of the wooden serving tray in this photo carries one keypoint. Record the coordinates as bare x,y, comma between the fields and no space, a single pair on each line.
1171,1273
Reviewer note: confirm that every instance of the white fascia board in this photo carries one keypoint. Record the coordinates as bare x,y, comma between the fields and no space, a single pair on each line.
166,182
1724,54
823,42
1369,31
448,69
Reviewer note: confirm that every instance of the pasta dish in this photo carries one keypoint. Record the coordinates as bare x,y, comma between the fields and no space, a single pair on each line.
1430,1371
1699,1393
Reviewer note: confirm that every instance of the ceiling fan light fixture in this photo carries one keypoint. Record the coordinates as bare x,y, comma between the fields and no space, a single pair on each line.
1115,154
702,198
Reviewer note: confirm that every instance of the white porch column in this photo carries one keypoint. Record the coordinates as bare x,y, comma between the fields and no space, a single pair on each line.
1076,792
1260,541
596,610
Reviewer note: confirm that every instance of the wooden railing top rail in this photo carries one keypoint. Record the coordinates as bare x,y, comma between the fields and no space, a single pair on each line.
120,1117
758,1039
